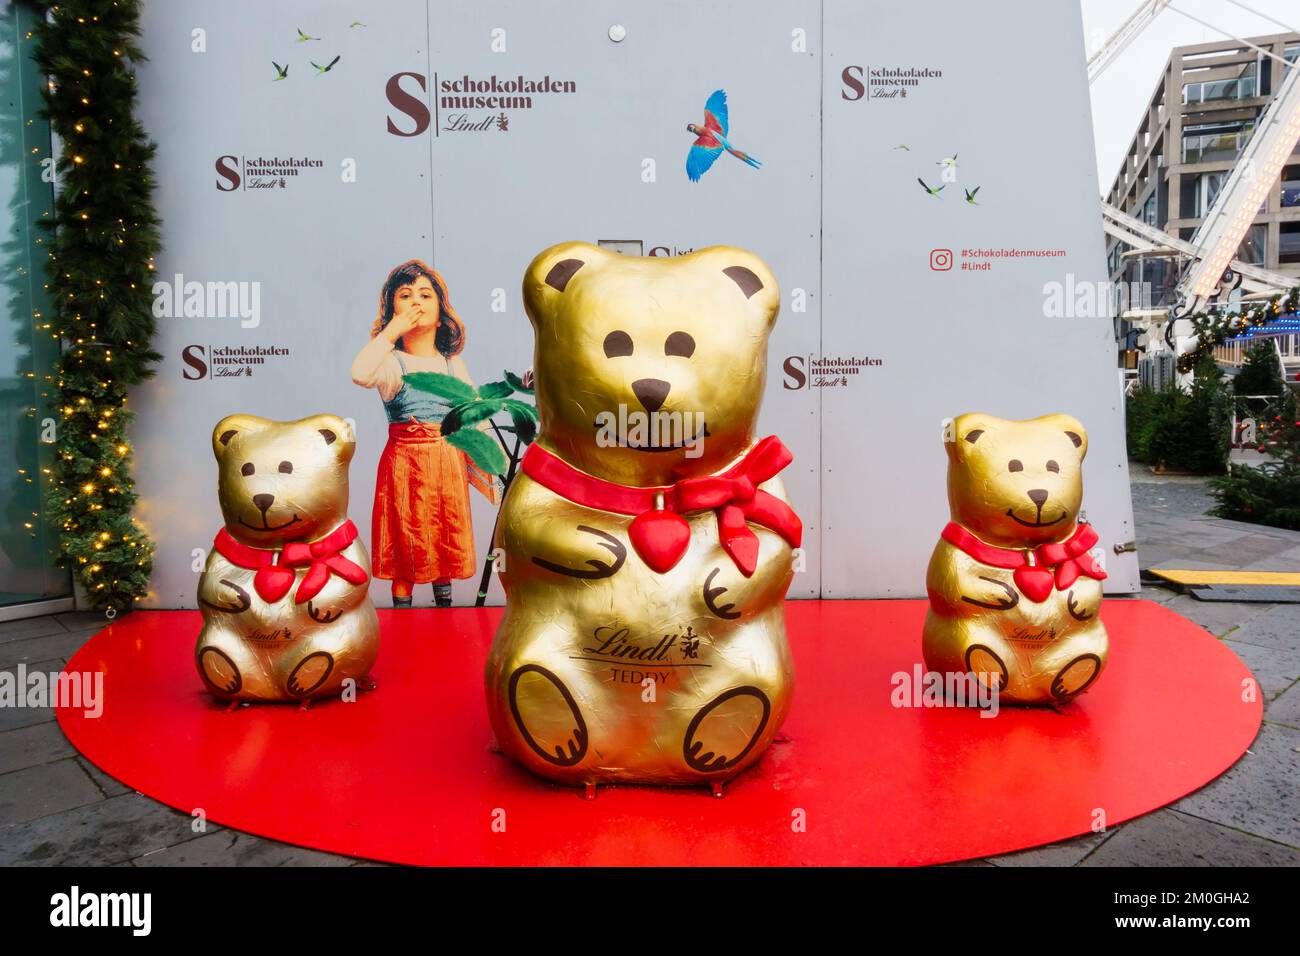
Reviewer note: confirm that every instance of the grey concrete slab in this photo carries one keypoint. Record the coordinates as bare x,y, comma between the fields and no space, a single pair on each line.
33,746
1186,563
1285,710
12,718
100,834
1217,617
82,620
1067,853
39,791
59,644
1263,530
1288,560
109,786
1159,595
1278,626
1258,793
29,628
232,848
1171,838
1274,668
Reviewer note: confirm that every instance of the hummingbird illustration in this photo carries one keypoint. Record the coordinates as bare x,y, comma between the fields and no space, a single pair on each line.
327,67
932,192
970,196
948,161
712,139
303,37
281,72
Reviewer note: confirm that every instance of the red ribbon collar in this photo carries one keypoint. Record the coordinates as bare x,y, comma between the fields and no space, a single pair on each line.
1035,578
658,532
275,577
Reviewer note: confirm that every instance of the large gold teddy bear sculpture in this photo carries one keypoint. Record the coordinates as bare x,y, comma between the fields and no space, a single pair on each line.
284,594
647,540
1014,590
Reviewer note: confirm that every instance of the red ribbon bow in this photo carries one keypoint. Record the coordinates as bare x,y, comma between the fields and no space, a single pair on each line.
1036,578
274,578
659,533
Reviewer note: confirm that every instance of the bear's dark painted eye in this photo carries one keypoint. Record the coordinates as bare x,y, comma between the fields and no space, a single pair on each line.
1014,465
286,467
248,469
680,343
1053,466
618,343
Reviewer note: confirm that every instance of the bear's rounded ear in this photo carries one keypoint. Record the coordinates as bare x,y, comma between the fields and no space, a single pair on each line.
965,431
1073,429
231,426
741,274
548,276
334,432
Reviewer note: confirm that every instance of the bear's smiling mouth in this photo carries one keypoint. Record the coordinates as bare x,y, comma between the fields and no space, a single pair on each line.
677,446
266,527
1011,513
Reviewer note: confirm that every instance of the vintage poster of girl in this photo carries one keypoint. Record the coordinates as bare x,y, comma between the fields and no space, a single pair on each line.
421,532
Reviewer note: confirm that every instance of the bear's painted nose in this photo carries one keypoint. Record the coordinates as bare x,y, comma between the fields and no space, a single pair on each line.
1037,496
650,392
263,502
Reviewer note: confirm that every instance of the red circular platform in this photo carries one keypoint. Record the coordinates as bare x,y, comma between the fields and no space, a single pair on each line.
405,774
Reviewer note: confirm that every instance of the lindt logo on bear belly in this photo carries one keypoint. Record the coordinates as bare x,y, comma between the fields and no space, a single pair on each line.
615,642
269,637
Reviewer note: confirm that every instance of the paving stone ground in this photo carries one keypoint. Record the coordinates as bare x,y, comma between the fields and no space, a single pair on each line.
57,808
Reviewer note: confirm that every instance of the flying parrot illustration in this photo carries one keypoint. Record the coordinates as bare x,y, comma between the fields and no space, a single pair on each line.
712,139
931,190
324,69
281,72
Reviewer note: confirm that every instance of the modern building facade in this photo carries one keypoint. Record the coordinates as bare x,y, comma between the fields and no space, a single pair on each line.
1202,113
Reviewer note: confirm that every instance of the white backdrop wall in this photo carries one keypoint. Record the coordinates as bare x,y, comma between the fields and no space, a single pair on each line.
394,171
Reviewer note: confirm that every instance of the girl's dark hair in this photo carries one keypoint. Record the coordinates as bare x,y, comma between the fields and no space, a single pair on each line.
450,337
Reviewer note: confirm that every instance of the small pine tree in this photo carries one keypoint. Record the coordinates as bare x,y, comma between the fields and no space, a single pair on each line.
1259,373
1268,493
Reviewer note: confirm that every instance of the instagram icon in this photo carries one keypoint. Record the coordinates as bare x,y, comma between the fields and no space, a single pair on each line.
940,260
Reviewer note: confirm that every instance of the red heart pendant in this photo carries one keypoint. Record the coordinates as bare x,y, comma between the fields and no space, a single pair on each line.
660,537
1034,582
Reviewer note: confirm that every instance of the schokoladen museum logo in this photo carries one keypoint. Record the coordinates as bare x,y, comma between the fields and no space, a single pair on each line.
465,103
261,173
870,82
835,371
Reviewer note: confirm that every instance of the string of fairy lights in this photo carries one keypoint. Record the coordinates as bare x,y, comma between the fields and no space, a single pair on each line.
103,237
1216,326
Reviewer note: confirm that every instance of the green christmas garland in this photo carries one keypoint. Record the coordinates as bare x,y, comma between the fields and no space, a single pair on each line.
1215,327
104,236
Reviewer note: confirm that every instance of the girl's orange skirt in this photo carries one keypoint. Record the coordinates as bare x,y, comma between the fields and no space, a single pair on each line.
421,529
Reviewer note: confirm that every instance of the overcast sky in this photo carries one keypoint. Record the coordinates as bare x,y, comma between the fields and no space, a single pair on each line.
1121,93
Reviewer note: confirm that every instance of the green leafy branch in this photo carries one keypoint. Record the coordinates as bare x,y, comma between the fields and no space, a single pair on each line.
472,406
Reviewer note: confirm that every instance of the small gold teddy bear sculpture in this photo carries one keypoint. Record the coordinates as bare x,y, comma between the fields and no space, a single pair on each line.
284,594
1014,592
